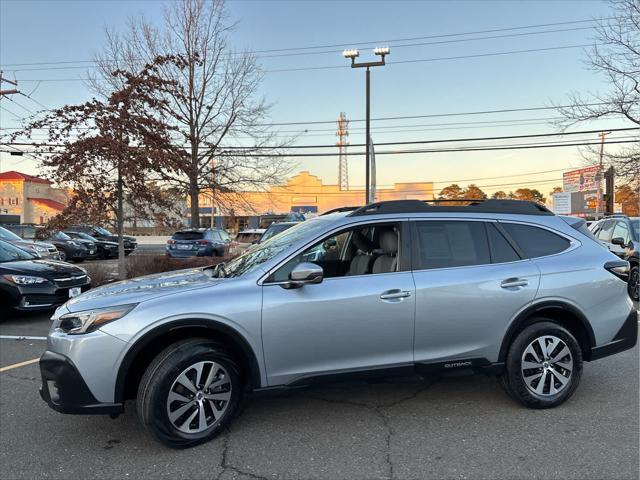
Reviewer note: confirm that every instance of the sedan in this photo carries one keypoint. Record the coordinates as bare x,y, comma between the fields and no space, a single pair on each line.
40,249
28,283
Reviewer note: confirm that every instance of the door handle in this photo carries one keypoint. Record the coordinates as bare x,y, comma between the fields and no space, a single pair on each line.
514,282
392,294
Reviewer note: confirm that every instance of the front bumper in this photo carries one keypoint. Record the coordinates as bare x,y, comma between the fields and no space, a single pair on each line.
626,338
40,297
64,389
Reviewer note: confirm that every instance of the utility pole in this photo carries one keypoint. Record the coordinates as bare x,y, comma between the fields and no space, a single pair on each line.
213,186
343,169
602,136
12,91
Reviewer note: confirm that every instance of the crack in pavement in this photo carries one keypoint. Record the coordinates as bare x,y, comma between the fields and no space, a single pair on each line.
377,410
16,377
226,465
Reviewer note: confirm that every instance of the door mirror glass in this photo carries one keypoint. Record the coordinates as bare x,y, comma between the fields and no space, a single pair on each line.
618,241
304,273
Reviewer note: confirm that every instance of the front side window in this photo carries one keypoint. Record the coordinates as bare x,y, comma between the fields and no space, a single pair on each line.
446,244
605,230
363,250
621,231
536,242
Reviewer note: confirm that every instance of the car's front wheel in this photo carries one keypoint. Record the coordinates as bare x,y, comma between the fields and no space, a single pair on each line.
189,393
544,365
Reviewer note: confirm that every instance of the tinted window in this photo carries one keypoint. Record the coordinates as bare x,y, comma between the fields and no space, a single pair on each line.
214,235
188,235
605,229
534,241
224,235
451,244
501,250
622,231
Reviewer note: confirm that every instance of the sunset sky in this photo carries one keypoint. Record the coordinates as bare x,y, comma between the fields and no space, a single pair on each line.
419,80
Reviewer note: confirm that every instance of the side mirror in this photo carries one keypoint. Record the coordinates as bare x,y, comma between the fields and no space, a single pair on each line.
618,241
303,274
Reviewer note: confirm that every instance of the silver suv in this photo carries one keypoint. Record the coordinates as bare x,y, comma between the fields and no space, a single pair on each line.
393,288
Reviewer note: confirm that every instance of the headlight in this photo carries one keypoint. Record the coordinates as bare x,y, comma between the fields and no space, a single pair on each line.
90,320
39,248
25,279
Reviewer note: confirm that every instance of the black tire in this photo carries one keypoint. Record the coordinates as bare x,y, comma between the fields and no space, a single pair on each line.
634,282
157,382
63,255
513,380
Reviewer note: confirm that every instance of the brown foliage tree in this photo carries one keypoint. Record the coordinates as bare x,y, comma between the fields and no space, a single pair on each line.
530,194
629,198
107,148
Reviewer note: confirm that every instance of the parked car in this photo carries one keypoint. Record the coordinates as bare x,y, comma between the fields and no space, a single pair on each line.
502,287
204,242
274,229
40,249
30,283
70,250
621,235
101,233
245,239
103,248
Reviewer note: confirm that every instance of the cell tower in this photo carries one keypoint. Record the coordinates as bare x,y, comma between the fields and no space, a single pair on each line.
342,133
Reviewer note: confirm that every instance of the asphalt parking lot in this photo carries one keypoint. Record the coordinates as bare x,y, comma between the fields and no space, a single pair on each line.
448,428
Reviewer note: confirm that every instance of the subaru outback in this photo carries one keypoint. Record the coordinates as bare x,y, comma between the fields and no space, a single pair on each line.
403,287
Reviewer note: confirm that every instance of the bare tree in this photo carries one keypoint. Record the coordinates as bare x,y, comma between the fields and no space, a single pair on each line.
616,56
215,107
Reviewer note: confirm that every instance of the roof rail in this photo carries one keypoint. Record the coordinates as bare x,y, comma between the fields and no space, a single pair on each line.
519,207
616,215
339,209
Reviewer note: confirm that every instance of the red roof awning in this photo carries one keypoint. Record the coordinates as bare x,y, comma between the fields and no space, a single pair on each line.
13,175
49,203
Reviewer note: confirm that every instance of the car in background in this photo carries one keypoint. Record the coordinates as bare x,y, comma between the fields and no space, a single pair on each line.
198,242
245,239
40,249
621,235
30,283
104,249
90,245
101,233
274,229
70,250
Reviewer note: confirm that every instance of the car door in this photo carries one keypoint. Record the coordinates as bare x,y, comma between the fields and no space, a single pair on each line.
344,325
620,230
470,282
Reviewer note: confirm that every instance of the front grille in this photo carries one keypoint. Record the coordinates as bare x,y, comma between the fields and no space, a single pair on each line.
58,298
71,281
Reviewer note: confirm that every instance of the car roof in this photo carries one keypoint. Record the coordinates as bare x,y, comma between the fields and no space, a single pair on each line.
253,230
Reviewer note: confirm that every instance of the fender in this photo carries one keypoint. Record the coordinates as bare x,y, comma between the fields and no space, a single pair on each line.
147,338
520,321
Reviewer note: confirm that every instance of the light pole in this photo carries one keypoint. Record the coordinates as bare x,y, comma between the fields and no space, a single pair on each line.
353,54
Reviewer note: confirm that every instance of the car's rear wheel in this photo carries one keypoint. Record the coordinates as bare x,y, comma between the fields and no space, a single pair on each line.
634,283
189,393
544,365
63,255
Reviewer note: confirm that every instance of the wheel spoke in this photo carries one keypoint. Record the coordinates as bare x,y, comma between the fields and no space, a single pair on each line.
567,366
198,368
185,382
533,352
552,346
563,353
175,396
543,378
202,424
530,365
561,378
212,374
222,396
176,414
543,347
188,421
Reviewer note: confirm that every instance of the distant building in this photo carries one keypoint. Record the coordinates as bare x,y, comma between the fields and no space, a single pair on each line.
33,199
303,193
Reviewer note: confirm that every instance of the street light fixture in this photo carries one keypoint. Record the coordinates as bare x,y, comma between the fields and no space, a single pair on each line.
353,54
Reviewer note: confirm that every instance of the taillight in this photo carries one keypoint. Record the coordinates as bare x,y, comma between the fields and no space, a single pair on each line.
171,242
203,242
619,268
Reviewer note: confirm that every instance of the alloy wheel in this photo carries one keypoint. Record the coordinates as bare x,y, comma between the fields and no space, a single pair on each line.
634,283
547,365
199,397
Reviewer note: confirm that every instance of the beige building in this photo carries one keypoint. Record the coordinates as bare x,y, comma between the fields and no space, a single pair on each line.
306,193
32,198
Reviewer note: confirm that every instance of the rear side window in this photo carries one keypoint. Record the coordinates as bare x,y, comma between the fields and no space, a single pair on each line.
188,235
536,242
501,250
444,244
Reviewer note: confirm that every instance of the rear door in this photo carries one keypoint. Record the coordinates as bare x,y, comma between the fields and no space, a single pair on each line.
470,282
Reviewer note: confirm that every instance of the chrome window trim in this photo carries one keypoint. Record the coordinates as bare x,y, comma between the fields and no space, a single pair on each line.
262,280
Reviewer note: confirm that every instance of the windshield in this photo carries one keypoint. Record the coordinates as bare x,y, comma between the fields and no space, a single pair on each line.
8,235
85,236
102,231
61,236
11,253
635,226
274,229
265,251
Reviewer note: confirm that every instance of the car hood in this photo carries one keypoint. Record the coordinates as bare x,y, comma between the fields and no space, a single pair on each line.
42,268
141,289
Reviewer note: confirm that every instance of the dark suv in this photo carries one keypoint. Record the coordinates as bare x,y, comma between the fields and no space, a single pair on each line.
100,233
621,235
198,243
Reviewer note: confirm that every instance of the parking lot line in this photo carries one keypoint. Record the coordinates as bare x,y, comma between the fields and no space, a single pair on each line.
18,365
20,337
